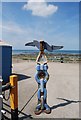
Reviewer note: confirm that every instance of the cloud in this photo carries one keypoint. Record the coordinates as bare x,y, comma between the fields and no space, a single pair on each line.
40,8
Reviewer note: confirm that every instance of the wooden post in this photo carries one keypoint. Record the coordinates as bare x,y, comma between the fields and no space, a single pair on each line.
14,97
42,46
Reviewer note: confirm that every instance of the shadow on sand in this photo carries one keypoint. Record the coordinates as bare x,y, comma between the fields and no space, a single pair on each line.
21,76
67,102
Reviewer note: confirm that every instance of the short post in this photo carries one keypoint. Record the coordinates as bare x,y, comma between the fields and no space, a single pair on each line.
62,60
14,97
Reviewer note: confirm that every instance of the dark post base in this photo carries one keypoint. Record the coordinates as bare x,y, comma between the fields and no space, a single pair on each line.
14,114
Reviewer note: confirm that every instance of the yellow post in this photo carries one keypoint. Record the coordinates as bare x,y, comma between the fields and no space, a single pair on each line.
14,97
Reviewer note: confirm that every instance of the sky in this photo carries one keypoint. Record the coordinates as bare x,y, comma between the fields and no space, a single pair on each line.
54,22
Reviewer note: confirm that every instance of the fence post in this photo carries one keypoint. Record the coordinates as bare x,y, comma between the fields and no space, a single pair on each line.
14,97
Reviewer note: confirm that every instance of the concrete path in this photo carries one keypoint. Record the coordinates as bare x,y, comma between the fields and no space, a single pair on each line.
62,87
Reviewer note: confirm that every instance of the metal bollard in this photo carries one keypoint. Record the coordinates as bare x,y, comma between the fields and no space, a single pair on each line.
14,97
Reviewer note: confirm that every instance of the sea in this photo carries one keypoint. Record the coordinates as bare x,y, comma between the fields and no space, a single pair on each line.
17,52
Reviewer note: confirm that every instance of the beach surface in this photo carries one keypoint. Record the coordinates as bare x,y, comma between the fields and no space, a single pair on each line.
62,90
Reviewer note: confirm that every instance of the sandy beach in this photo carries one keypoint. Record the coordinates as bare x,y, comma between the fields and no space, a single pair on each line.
62,87
66,58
